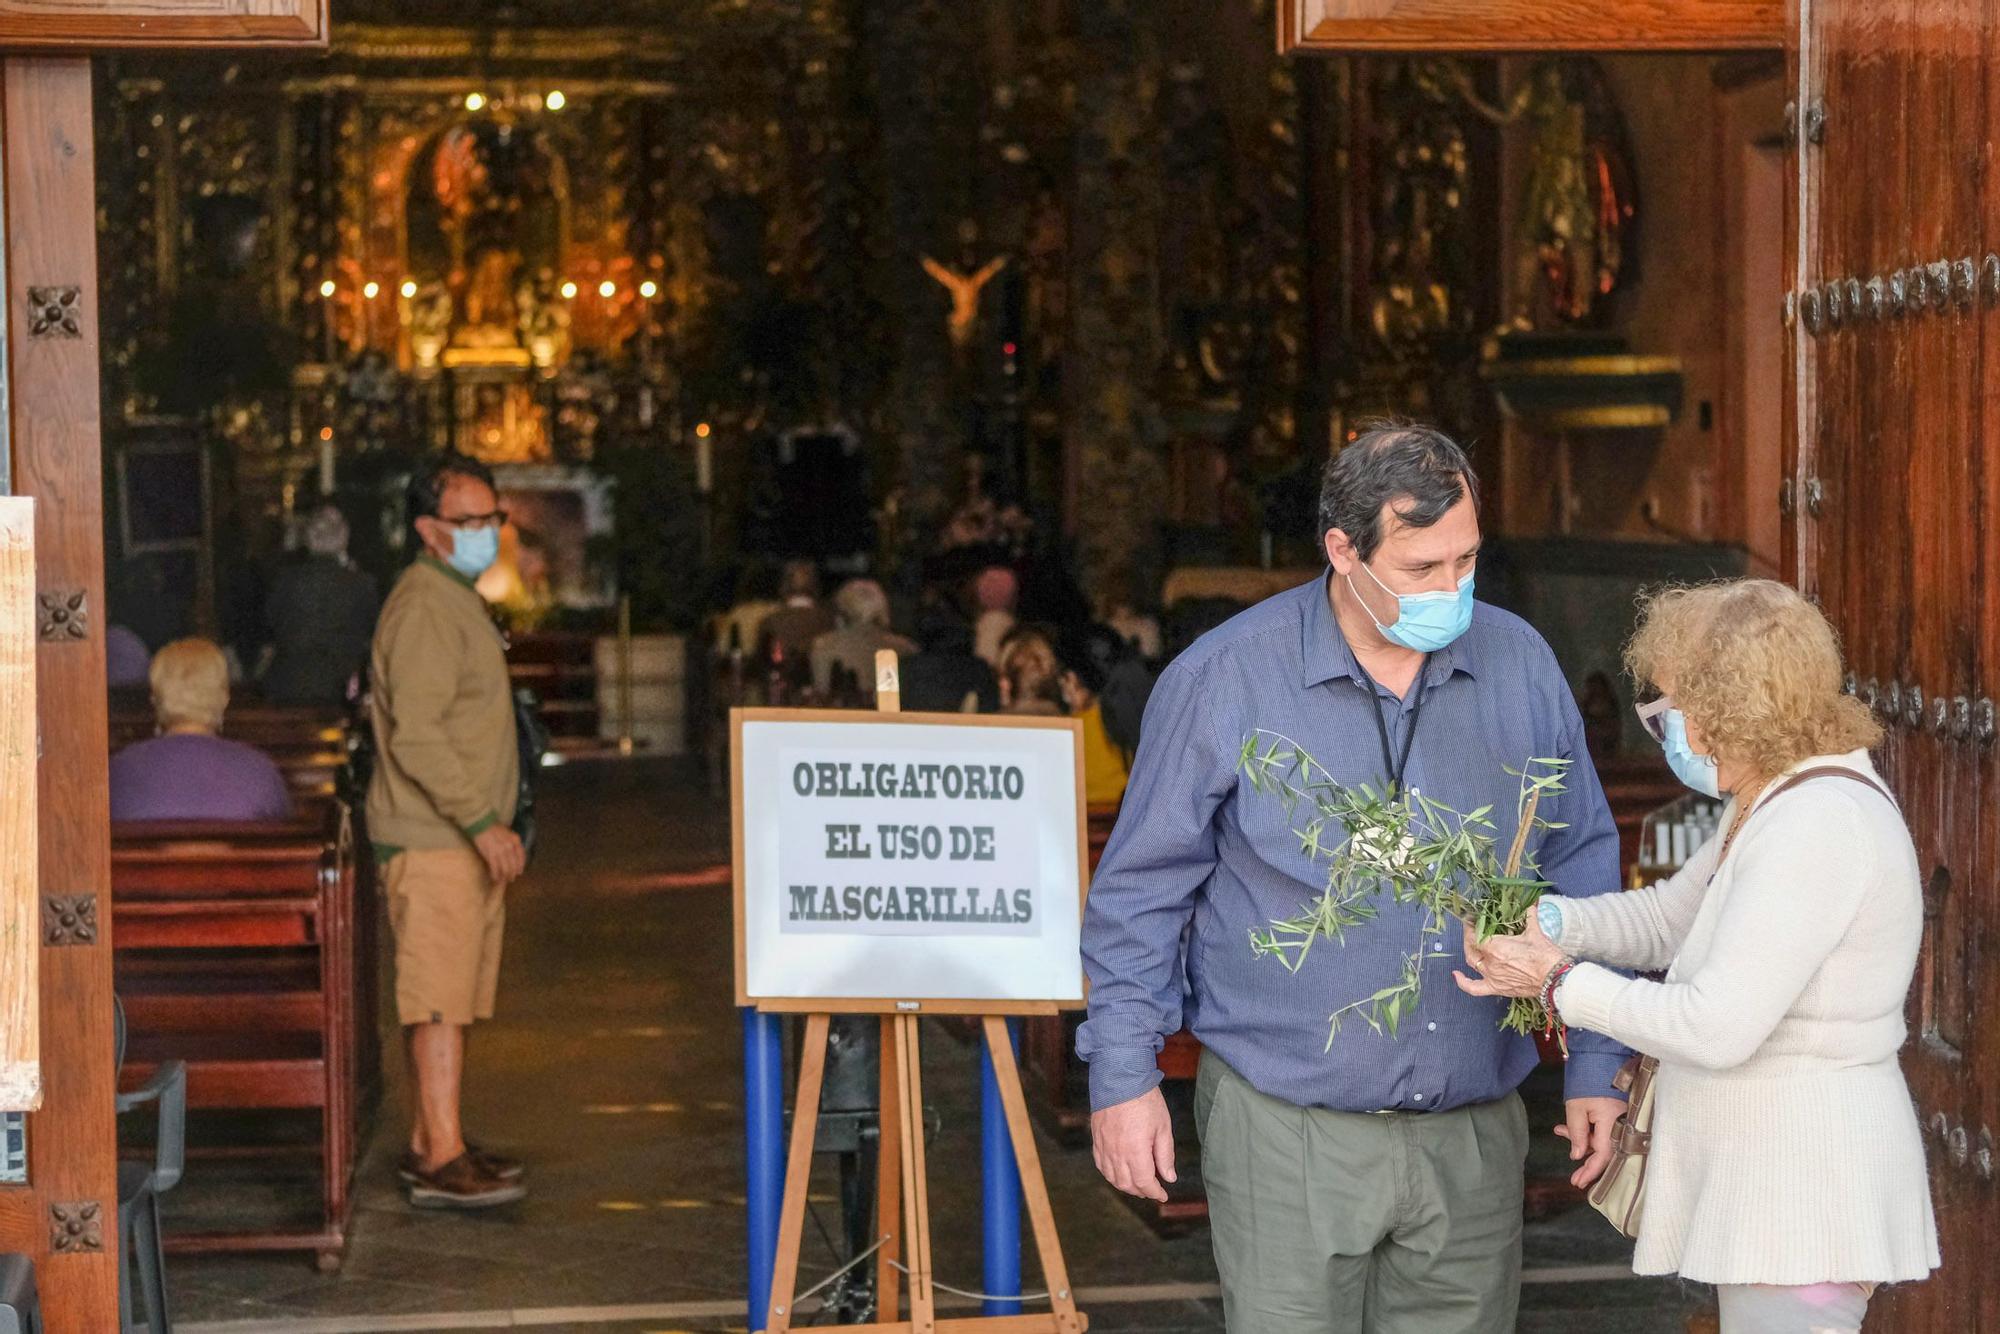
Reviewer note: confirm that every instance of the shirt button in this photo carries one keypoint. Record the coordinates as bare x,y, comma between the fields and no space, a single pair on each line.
1420,1097
1432,1027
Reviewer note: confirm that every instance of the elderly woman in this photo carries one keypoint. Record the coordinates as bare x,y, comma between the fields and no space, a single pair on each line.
188,772
863,612
1786,1163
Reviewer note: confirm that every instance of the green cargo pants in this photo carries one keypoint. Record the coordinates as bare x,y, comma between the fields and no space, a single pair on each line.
1358,1223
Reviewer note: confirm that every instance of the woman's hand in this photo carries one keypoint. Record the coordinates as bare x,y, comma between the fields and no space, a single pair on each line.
1510,965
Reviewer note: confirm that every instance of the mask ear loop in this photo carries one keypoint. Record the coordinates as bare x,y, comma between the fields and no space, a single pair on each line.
1381,629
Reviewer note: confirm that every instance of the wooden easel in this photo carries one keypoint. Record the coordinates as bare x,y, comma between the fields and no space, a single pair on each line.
902,1193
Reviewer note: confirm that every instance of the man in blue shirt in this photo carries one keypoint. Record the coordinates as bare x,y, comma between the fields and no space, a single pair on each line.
1372,1185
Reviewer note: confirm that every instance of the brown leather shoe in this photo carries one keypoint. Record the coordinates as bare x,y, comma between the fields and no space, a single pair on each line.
497,1165
462,1184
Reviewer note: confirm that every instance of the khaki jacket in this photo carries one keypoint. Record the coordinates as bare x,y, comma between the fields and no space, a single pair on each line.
446,765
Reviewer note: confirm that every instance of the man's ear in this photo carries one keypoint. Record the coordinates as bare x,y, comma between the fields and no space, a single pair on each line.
1340,552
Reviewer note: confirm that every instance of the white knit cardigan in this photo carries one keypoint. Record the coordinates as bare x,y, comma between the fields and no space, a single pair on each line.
1785,1146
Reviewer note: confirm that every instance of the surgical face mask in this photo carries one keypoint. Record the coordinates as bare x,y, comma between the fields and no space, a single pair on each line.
1697,771
473,550
1425,622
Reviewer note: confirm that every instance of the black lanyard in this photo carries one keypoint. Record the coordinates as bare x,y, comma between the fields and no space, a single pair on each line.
1394,767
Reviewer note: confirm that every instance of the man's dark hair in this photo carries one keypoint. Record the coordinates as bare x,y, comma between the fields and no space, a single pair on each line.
425,492
1419,469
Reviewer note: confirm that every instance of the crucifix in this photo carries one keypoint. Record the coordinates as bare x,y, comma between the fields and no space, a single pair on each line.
964,289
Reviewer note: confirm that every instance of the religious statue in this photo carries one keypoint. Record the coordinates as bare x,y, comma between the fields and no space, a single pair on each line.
543,319
429,319
1579,202
964,287
490,316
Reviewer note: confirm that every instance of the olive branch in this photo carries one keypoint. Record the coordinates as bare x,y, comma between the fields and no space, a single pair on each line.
1414,850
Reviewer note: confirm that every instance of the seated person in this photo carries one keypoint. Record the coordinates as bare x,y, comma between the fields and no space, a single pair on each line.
126,658
188,772
1088,658
791,630
944,676
322,615
863,609
1030,680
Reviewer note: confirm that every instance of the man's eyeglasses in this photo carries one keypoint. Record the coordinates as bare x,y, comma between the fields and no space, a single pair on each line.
1654,717
495,519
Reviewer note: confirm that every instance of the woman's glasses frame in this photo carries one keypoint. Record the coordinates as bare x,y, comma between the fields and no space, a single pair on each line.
1653,716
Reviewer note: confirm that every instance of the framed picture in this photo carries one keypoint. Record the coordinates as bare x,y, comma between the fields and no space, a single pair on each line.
163,490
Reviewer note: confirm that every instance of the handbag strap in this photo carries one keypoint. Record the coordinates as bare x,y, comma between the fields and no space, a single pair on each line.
1792,781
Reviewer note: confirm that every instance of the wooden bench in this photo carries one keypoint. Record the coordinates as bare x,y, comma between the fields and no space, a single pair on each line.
309,746
235,952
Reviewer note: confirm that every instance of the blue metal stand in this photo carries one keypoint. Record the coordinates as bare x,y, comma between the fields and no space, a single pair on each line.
764,1151
999,1188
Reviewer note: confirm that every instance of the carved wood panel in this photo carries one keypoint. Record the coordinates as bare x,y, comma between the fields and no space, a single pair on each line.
1895,487
141,23
50,203
1529,25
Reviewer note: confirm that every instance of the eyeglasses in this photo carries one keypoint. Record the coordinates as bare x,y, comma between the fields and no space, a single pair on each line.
496,519
1654,717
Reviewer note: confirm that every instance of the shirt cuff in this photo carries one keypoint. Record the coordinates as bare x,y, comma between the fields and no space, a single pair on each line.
482,824
1121,1074
1589,1074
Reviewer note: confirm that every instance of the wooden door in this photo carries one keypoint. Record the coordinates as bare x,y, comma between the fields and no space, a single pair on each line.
1894,490
65,1215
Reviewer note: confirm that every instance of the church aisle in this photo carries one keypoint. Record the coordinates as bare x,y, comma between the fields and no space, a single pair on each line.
613,1070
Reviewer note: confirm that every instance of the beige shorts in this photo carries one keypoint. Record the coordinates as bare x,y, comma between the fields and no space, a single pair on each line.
446,918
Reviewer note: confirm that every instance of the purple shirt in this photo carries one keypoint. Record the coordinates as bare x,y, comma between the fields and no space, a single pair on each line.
191,777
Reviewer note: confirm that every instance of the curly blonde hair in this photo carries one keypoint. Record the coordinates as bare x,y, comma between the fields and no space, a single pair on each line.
1755,666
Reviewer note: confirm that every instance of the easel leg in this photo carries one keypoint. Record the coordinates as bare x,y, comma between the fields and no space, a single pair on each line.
1007,1074
916,1194
798,1172
889,1181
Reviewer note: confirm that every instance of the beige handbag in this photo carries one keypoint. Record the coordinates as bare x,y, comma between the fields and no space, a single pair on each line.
1620,1194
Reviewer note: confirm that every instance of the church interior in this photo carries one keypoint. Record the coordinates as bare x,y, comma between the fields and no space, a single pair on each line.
1046,310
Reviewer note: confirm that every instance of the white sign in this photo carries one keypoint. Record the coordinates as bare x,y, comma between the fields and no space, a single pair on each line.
911,860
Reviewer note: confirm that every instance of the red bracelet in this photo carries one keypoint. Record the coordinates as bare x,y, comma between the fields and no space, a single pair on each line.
1556,1026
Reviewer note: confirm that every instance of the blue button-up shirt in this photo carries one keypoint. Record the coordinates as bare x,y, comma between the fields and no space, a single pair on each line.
1200,859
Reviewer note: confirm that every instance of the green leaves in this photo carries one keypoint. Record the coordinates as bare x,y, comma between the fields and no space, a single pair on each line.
1412,848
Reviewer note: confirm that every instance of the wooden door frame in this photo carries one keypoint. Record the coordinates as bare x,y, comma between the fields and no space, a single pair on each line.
66,1217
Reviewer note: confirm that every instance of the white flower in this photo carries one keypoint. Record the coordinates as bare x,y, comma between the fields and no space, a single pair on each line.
1386,849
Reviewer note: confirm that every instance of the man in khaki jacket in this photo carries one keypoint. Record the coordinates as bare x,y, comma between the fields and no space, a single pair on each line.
446,780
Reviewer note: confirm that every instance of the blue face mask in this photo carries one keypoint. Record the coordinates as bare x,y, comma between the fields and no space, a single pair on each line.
1425,622
1697,771
473,550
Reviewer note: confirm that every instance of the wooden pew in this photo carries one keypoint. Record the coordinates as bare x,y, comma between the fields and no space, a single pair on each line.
310,747
235,952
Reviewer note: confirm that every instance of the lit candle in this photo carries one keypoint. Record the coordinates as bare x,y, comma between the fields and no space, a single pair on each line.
326,467
703,477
